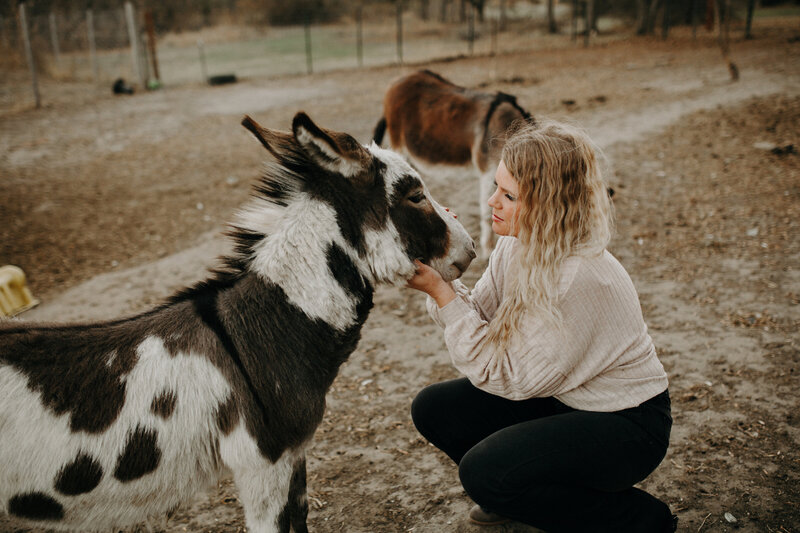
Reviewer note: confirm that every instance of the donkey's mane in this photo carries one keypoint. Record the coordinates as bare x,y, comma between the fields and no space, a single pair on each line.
279,185
499,99
440,78
504,98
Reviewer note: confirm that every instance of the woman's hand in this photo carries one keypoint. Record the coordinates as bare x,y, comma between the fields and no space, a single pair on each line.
430,282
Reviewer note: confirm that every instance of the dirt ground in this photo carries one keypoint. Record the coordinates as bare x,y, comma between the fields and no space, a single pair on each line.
111,204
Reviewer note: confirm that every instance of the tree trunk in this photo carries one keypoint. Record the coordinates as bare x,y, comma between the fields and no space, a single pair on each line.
443,12
723,16
552,26
751,5
652,14
642,16
480,5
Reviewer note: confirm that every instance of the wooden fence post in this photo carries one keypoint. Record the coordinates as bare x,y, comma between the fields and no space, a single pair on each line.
151,41
92,44
133,37
23,20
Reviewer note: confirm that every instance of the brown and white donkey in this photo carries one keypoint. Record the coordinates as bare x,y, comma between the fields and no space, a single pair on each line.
439,125
110,423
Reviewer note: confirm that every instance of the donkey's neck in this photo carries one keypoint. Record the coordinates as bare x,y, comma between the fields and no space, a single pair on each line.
306,256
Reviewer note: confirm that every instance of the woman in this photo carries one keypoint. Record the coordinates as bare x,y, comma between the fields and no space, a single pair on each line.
564,406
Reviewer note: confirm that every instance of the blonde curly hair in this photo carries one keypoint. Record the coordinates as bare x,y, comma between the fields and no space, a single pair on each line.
564,210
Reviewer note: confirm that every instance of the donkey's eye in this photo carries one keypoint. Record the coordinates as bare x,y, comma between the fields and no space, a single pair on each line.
417,197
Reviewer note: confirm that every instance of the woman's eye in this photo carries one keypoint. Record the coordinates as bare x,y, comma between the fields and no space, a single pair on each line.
416,198
511,198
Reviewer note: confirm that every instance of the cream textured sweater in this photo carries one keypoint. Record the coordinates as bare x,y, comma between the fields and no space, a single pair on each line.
602,360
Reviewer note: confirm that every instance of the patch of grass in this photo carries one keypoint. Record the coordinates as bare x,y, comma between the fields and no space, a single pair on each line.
777,12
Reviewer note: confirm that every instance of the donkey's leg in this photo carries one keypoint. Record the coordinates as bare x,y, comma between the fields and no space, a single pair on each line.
485,189
263,485
297,504
263,491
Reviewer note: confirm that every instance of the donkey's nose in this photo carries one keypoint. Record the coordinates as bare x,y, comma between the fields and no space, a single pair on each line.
463,263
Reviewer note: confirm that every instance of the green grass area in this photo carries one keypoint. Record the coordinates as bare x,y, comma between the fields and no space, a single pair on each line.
279,51
778,11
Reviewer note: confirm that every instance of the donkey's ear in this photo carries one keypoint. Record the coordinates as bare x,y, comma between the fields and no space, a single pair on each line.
333,151
277,142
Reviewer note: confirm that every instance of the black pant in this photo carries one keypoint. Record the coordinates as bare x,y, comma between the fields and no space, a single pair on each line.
548,465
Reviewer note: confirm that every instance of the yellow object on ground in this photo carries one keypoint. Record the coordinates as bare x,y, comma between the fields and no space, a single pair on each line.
15,296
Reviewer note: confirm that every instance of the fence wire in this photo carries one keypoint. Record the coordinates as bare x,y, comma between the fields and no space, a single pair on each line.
105,45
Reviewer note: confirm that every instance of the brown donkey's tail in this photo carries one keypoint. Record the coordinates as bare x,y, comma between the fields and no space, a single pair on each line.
380,130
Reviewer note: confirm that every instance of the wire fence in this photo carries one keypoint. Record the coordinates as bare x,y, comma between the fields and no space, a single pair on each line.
123,43
105,45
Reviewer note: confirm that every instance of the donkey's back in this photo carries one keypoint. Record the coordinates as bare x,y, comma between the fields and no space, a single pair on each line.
100,424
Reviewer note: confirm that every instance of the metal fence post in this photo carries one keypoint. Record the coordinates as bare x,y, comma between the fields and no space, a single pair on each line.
574,24
359,36
748,27
589,21
400,32
23,20
471,29
309,65
202,52
3,36
495,24
54,36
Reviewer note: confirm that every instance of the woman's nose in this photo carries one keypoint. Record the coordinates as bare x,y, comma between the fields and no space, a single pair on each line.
493,199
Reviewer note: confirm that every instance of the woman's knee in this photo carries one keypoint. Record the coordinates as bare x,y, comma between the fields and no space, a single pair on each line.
435,404
482,476
424,407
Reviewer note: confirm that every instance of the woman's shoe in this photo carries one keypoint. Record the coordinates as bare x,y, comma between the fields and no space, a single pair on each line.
482,517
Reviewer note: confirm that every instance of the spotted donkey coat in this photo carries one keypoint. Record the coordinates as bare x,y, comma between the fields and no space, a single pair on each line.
108,424
439,125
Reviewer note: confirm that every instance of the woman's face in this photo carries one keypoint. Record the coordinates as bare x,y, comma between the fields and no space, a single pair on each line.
504,202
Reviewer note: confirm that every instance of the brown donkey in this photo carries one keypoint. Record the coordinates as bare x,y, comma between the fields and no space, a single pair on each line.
436,123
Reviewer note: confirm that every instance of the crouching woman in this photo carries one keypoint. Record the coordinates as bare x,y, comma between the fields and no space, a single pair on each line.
564,405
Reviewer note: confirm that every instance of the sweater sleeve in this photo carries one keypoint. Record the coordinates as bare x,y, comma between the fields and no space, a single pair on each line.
524,370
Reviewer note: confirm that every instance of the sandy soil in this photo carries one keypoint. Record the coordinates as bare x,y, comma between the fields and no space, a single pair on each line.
110,204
